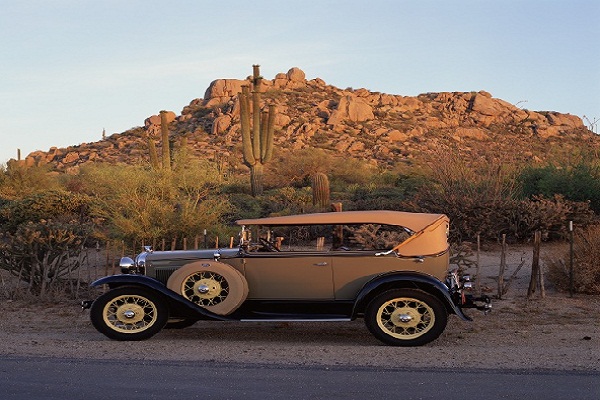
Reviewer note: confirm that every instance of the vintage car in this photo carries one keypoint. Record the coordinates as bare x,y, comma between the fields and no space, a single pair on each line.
389,267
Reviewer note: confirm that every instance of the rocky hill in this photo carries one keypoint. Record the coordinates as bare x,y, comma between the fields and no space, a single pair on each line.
383,128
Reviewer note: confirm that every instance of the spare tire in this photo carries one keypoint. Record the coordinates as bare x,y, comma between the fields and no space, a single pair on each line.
213,285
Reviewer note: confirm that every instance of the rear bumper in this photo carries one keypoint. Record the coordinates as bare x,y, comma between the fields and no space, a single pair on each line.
481,303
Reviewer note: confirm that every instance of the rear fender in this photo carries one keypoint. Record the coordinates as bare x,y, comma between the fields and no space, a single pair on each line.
176,301
397,280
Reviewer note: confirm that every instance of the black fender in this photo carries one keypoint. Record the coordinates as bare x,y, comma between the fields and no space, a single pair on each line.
176,301
396,280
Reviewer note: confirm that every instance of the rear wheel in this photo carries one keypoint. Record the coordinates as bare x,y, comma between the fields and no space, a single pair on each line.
406,317
129,313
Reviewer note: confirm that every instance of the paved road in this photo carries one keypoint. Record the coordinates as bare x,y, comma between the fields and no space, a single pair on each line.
62,379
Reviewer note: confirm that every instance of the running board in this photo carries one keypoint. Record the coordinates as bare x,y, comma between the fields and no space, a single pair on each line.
297,320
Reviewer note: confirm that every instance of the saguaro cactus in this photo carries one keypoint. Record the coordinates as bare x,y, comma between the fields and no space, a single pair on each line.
166,145
257,143
153,154
320,188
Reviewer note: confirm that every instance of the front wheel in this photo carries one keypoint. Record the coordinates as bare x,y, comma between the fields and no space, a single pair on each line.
129,313
406,317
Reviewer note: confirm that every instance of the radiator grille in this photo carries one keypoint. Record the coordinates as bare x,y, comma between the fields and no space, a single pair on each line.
163,273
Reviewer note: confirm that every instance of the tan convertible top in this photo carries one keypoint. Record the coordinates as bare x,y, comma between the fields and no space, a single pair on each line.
413,221
430,229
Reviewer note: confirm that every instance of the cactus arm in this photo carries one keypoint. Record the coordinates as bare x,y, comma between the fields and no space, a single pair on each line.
247,152
153,154
270,130
256,119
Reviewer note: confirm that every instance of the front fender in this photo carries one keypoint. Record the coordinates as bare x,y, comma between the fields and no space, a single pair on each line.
395,280
175,299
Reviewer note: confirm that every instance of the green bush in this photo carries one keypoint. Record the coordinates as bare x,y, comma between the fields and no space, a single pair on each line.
577,183
378,198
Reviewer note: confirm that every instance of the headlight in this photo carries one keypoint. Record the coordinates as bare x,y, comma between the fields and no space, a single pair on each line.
127,265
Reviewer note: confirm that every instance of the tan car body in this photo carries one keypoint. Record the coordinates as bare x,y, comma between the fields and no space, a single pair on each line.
341,274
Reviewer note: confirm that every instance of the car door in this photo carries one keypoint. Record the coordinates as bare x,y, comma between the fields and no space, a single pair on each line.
289,275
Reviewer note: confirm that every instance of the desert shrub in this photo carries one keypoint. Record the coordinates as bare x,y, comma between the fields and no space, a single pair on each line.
288,200
550,216
479,199
54,204
351,171
294,168
244,205
485,199
378,198
139,203
586,250
18,181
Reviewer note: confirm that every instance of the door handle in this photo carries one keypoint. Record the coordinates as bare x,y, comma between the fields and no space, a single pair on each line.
321,264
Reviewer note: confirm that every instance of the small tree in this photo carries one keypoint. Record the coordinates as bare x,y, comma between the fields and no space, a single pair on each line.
43,237
43,253
586,249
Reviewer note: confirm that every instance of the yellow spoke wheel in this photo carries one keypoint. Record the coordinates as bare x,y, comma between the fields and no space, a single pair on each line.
406,317
129,313
213,285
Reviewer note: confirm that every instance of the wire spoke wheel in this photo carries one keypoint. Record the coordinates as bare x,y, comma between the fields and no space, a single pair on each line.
406,317
213,285
129,313
205,288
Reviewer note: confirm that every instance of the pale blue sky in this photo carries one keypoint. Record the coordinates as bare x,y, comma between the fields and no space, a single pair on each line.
69,68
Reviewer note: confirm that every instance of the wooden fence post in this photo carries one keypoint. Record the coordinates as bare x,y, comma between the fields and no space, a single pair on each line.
478,267
107,258
571,256
535,265
502,267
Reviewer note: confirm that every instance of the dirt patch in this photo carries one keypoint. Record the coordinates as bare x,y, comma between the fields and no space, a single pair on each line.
557,332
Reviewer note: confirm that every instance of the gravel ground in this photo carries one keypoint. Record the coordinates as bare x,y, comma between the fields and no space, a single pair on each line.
555,333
